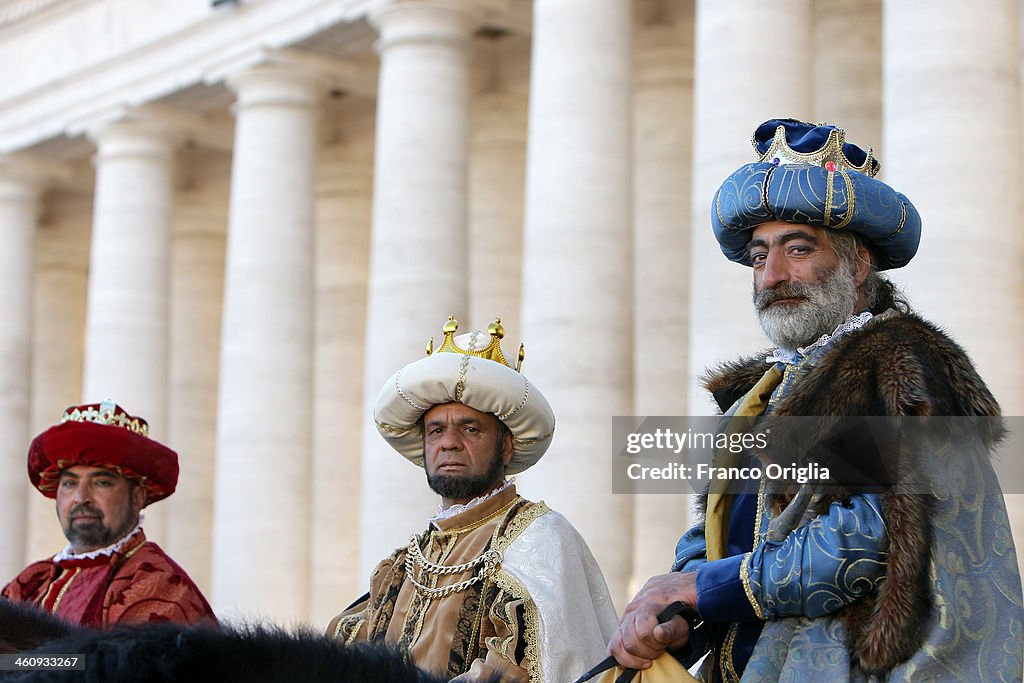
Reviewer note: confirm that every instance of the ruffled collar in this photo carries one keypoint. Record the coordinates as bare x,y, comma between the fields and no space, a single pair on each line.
788,357
67,554
445,513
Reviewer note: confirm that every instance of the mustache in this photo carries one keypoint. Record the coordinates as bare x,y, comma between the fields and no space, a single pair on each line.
785,290
85,509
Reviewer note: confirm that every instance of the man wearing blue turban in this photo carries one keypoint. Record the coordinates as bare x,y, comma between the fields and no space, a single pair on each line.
901,577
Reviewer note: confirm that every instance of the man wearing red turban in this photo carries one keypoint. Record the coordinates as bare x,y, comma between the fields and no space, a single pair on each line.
102,468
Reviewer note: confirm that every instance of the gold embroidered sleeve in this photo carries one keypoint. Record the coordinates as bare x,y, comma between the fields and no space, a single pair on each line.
353,623
504,646
350,625
493,667
347,628
745,579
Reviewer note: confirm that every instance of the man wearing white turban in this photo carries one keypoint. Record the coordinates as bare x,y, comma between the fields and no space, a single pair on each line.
496,585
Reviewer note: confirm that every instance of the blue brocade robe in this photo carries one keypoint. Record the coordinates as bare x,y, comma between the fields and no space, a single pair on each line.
772,607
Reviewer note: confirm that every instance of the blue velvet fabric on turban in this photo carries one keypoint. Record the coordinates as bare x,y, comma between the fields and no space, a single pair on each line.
808,138
806,176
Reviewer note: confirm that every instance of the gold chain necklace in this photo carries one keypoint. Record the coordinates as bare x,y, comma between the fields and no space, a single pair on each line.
417,565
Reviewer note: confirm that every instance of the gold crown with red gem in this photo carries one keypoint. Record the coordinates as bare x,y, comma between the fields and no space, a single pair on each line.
830,155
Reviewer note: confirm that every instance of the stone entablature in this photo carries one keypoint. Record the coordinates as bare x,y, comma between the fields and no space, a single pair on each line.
104,53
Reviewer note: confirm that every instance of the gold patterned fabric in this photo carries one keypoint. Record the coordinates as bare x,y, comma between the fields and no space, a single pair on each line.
751,405
482,629
948,605
136,584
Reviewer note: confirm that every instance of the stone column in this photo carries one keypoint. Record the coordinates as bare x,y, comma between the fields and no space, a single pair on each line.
19,194
847,69
496,184
577,258
126,323
418,245
58,339
344,186
733,95
952,81
126,320
662,148
265,409
199,230
935,53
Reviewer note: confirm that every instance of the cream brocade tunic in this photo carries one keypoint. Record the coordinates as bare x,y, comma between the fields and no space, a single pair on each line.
495,625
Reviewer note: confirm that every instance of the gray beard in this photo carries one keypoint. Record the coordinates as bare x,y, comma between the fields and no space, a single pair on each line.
829,301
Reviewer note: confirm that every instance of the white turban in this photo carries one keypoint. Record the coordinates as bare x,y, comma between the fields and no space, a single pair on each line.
482,384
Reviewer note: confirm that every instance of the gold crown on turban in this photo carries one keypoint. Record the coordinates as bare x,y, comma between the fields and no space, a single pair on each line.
491,352
470,369
830,155
106,413
102,435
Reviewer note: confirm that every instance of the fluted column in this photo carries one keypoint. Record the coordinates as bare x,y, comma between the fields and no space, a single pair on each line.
577,255
952,133
344,185
58,340
199,229
19,194
264,409
662,148
418,246
847,68
496,184
734,93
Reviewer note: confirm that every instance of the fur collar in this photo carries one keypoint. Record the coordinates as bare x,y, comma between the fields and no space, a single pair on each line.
899,365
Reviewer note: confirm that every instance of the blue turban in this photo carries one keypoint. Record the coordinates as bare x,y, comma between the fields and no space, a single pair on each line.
810,174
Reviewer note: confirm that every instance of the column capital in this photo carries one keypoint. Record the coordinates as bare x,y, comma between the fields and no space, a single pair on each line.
289,76
155,121
123,130
442,22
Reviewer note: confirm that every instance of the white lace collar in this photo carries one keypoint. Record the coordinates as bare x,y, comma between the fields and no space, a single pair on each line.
67,553
854,322
445,513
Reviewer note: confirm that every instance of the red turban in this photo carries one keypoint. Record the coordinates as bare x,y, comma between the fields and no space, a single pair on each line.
102,435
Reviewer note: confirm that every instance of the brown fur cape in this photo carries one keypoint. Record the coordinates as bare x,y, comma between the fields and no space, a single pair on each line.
897,365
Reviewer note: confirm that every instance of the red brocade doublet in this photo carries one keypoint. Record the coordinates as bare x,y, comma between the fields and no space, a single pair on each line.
138,583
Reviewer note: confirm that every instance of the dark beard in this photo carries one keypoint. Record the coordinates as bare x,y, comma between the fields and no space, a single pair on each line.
455,487
95,533
829,301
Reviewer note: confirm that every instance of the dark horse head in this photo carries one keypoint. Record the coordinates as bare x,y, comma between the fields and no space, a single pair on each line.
166,653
